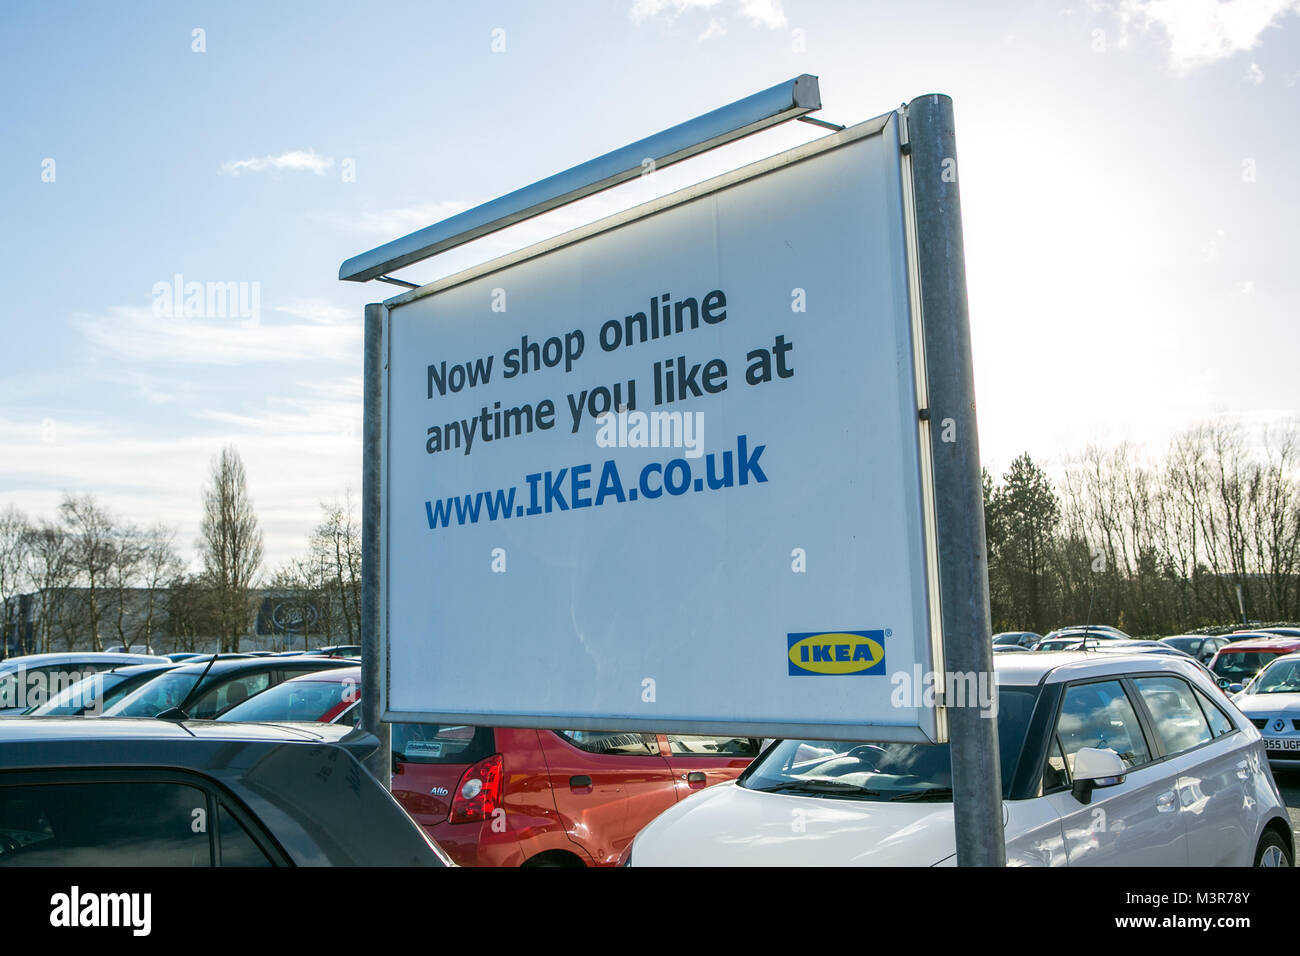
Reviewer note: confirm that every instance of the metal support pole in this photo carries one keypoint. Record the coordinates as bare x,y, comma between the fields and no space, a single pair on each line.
380,762
959,498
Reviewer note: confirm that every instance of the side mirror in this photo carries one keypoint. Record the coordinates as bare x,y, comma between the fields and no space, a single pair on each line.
1236,688
1095,768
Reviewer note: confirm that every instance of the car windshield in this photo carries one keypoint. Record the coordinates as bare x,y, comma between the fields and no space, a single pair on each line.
1280,677
295,701
1241,665
883,771
162,693
9,688
88,694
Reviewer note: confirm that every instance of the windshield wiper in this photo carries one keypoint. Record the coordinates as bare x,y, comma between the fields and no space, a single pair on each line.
819,785
934,793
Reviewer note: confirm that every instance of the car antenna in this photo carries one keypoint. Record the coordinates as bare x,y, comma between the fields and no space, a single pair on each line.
178,713
1087,622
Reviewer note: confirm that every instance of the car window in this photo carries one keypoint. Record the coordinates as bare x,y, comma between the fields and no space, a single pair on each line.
1100,715
103,824
228,694
612,743
1179,723
879,771
1280,677
1241,666
238,848
1055,775
1219,722
81,696
685,746
441,743
293,700
350,717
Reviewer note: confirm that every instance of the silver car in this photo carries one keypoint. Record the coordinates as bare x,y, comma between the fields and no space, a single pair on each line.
1272,702
1107,760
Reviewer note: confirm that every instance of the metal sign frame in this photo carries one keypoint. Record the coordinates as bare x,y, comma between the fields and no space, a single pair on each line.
956,557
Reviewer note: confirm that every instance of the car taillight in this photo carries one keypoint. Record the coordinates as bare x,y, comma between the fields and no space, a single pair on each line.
479,792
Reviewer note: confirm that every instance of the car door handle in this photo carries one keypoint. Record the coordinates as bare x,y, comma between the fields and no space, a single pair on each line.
581,782
1167,802
1243,771
695,779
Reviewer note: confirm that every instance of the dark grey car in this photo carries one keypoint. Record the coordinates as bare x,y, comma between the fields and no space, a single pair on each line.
126,792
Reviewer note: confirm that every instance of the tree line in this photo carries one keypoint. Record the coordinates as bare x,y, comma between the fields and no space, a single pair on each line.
1205,534
85,578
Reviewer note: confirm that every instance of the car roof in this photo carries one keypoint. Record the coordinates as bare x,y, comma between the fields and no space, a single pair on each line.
15,730
1259,642
131,670
1057,666
336,675
73,657
230,665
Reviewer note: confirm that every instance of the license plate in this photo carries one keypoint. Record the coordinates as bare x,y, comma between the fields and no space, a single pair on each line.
1274,743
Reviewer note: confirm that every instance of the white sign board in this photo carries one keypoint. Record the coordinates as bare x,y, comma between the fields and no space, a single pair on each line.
667,472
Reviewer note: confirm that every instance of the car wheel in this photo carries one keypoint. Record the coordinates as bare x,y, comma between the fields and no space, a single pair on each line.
1272,851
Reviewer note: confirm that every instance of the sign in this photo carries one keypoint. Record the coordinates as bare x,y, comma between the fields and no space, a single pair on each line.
668,471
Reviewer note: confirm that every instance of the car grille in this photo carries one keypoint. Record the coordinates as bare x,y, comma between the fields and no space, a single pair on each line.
1264,722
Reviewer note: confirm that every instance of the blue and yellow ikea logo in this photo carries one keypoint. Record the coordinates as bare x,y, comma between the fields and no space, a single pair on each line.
851,653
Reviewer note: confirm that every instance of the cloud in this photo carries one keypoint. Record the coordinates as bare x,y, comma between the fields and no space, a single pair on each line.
399,221
716,28
319,311
643,10
1254,75
136,334
295,161
765,13
295,459
1205,31
759,13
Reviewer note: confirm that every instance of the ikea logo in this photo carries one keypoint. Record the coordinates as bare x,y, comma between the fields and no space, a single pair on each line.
853,653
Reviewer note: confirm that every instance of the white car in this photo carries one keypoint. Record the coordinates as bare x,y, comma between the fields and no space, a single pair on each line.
1272,702
1114,760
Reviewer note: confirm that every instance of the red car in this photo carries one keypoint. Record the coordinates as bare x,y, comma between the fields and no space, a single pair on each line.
1246,656
508,797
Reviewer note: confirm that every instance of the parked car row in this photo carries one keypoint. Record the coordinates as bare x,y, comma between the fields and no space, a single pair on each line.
1141,738
488,796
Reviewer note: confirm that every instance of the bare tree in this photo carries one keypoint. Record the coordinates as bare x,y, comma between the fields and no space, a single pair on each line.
123,572
336,545
159,566
90,527
231,545
13,552
50,571
299,606
191,611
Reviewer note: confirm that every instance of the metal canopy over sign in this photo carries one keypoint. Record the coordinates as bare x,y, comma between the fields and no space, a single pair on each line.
671,471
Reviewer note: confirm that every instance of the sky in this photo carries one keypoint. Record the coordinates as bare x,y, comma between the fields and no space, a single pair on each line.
1129,192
